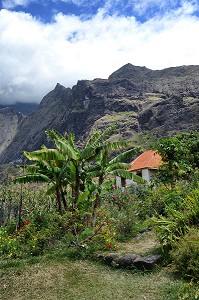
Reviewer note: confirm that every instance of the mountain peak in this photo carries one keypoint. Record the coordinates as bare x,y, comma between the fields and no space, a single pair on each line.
131,72
135,98
59,87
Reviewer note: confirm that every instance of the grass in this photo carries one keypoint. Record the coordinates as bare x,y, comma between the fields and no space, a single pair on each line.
189,99
142,244
154,96
47,278
60,275
120,116
57,275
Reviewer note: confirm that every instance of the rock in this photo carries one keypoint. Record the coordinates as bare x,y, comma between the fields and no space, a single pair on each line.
111,257
127,260
147,262
10,120
149,228
99,255
163,102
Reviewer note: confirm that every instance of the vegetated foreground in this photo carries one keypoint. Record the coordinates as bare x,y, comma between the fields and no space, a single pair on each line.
62,278
78,212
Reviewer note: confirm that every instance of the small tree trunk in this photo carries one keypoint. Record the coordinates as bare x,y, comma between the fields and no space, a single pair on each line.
20,210
97,201
98,195
77,187
63,199
9,209
59,206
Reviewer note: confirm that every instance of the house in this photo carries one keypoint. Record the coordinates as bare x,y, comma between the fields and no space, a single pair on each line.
145,165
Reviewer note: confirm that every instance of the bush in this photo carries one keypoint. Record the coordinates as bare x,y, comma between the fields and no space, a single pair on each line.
185,255
124,209
177,222
159,199
37,233
96,233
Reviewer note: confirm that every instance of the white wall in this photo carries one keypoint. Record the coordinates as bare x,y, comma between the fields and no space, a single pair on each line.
147,175
129,182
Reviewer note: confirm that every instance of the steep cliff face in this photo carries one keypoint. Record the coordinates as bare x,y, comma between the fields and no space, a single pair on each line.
167,117
176,80
10,119
25,108
134,98
31,132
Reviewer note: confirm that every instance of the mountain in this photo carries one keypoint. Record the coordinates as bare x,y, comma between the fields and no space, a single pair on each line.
10,120
24,108
137,99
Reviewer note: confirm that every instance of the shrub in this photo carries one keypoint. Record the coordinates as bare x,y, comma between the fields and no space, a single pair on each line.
95,233
177,222
37,233
185,255
124,209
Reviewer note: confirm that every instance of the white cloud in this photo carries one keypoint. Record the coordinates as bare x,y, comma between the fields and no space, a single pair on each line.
35,56
79,2
141,7
9,4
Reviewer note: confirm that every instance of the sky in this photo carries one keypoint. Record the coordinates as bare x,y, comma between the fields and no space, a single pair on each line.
43,43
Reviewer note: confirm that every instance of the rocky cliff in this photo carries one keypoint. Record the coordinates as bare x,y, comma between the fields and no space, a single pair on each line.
135,98
10,120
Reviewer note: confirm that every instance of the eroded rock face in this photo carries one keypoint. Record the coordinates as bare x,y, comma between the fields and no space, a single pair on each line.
170,116
31,133
10,120
134,98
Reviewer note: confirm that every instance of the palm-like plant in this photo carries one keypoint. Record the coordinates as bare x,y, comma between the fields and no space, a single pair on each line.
60,167
48,167
115,166
66,165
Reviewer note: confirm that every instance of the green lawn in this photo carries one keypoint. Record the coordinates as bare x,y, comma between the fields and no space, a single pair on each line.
48,278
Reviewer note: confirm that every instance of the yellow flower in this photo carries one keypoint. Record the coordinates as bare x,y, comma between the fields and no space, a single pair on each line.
10,254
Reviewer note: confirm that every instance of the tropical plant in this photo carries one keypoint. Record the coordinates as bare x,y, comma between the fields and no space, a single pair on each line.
177,221
185,255
180,156
70,169
106,165
48,168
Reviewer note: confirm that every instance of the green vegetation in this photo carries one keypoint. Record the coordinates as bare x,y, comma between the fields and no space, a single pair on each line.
180,156
61,278
190,99
117,117
64,207
154,96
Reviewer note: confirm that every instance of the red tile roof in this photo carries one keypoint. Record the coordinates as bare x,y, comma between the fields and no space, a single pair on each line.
148,159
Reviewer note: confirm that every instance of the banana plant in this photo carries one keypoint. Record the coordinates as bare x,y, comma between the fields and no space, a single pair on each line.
48,167
106,164
66,165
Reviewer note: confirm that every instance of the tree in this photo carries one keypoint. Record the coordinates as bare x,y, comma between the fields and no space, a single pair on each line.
48,167
180,156
68,166
107,164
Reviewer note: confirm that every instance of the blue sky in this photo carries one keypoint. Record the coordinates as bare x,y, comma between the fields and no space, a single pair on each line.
45,42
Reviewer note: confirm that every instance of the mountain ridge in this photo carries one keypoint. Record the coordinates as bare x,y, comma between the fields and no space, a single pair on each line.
135,98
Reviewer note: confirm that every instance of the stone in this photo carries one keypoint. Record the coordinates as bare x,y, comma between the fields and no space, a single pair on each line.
127,260
147,262
111,257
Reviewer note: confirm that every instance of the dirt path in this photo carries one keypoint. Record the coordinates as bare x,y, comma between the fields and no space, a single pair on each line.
144,243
